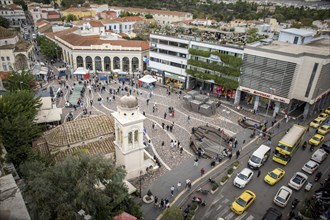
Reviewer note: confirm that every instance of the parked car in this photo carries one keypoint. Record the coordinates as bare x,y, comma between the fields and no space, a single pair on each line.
243,178
283,196
323,115
327,110
316,122
272,214
242,202
310,167
298,180
316,140
319,156
326,146
323,130
274,176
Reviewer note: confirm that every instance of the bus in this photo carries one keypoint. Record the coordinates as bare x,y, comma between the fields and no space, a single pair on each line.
289,144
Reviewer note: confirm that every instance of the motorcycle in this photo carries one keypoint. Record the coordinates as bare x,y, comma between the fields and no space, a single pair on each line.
318,176
312,148
198,200
203,191
304,145
294,203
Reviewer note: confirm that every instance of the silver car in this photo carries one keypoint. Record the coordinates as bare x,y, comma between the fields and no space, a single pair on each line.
310,167
243,178
282,196
298,180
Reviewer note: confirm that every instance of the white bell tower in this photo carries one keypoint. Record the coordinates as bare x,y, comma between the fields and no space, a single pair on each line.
129,136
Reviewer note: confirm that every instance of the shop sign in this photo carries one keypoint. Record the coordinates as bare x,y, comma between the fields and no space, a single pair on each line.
265,95
174,76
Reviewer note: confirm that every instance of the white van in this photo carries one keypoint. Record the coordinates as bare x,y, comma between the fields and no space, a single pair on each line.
259,157
319,156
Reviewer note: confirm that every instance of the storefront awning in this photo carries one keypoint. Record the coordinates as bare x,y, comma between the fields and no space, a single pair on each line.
148,79
80,71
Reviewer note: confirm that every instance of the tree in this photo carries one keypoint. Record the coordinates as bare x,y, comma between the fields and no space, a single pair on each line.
4,22
20,81
172,213
148,16
71,17
18,110
48,48
21,3
60,191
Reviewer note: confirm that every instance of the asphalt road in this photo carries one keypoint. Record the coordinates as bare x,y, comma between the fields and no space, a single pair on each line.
219,205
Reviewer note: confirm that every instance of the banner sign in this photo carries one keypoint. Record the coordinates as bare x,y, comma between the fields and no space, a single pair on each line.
265,95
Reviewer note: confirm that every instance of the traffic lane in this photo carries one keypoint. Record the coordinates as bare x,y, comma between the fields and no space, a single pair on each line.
265,193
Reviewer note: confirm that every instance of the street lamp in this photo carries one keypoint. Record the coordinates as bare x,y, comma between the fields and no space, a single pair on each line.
273,92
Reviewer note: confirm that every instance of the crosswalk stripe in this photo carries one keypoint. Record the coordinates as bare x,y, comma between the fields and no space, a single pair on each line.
225,211
250,217
229,216
217,200
225,200
241,216
219,207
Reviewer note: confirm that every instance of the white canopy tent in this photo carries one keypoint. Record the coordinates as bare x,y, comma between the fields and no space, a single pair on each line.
148,79
80,71
48,116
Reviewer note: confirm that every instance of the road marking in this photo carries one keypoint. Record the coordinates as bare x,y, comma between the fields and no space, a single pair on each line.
217,200
225,200
250,217
219,207
241,216
230,215
157,155
224,212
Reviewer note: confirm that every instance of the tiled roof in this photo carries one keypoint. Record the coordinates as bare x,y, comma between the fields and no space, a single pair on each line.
52,13
151,11
98,147
96,23
73,9
80,130
5,33
61,33
129,19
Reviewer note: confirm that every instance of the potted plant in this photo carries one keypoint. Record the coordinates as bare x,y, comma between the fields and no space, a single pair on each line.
214,187
230,172
149,198
235,164
223,181
194,207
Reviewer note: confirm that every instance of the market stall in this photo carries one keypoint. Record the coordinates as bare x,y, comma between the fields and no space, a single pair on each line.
147,81
81,73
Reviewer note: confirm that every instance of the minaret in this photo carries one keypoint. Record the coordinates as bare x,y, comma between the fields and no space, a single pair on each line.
129,136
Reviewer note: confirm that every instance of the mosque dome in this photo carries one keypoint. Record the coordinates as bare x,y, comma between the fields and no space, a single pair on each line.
128,101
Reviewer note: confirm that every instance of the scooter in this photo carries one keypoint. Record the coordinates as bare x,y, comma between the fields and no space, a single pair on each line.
198,200
312,148
203,191
304,145
294,203
318,176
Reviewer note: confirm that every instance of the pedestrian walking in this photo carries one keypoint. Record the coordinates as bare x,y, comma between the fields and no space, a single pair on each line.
278,125
153,125
178,186
165,115
172,190
91,102
237,154
171,128
187,182
259,172
196,162
307,129
188,119
269,142
162,203
181,149
163,125
202,171
147,101
235,143
230,155
175,144
163,143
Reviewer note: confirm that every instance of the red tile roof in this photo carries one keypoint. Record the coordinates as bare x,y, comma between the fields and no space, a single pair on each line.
96,23
129,19
125,216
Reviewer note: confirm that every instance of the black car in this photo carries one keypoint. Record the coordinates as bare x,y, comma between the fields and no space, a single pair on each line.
272,214
326,146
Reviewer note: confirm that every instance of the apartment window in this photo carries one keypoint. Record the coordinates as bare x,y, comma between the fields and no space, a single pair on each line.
4,67
172,53
173,43
8,58
163,42
125,26
295,41
114,27
2,58
183,45
311,79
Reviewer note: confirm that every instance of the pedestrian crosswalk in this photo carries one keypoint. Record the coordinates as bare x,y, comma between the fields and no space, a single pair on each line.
220,209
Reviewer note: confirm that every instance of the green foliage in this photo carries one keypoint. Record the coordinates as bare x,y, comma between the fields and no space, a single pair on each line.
216,67
172,213
17,128
60,191
227,59
21,3
68,3
70,17
148,16
230,171
48,48
133,38
252,30
127,14
236,163
227,83
214,186
20,81
224,179
4,22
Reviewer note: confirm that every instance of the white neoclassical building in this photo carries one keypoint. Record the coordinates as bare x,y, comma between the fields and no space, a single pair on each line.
98,50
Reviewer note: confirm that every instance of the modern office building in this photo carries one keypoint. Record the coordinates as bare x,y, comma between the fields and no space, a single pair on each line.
182,60
284,76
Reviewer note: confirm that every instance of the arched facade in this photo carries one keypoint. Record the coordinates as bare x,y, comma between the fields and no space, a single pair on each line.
98,63
89,63
107,63
21,62
116,63
125,64
80,61
135,64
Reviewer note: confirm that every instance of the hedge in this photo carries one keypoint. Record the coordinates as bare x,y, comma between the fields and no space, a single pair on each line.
214,66
227,83
231,60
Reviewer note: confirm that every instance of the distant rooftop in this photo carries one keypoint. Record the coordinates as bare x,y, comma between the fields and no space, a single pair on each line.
316,47
300,32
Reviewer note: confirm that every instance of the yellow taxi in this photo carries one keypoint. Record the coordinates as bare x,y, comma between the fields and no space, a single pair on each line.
316,139
327,110
316,122
324,129
242,202
323,116
274,176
